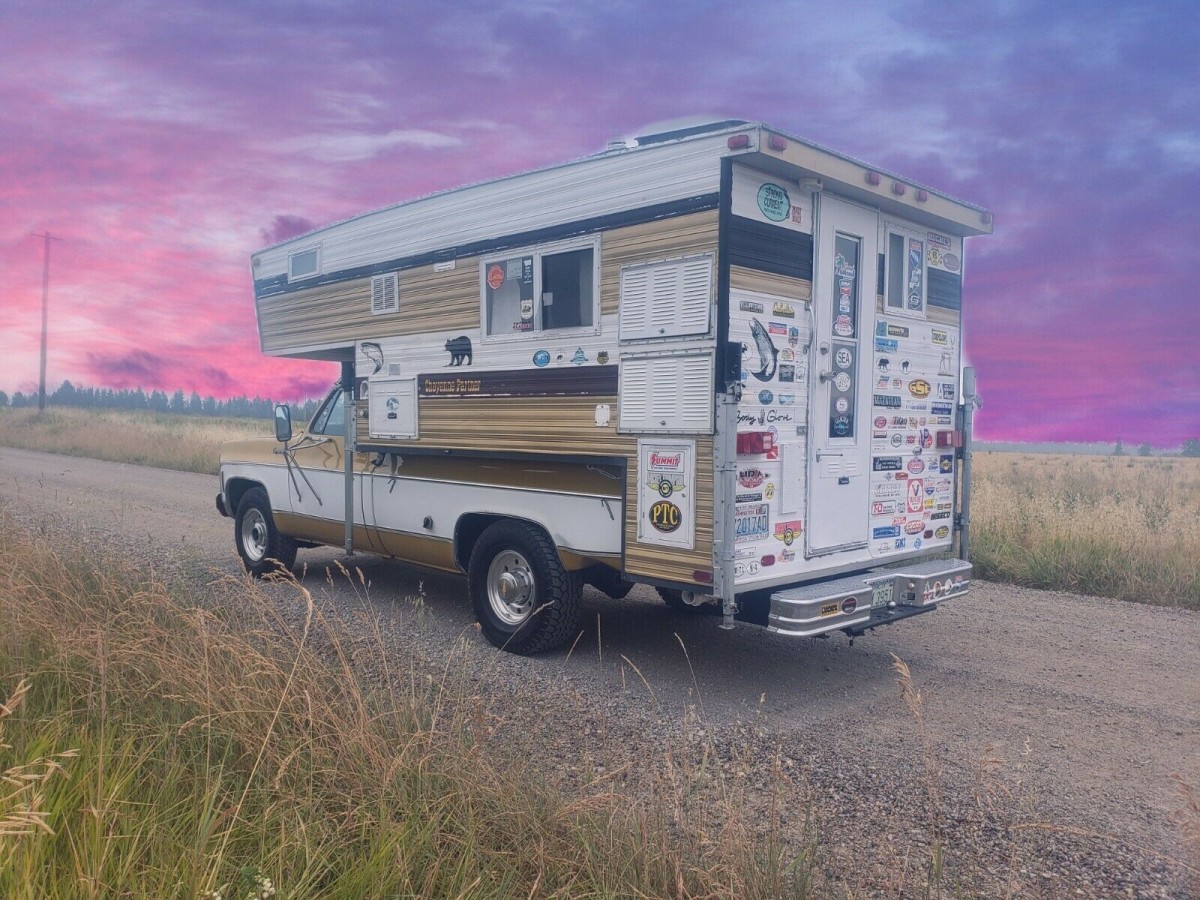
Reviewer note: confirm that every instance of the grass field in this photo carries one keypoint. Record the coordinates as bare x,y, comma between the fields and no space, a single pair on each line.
1124,527
153,747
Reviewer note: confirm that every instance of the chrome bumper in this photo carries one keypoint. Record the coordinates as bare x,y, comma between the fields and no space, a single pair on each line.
868,599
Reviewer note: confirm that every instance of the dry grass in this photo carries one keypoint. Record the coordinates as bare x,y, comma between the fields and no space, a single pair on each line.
1110,526
224,742
186,443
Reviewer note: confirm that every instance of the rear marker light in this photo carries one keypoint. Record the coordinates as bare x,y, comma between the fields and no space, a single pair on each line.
738,142
777,143
702,576
873,178
755,443
898,188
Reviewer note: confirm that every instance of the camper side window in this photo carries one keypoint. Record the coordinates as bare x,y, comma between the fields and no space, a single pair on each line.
540,290
905,279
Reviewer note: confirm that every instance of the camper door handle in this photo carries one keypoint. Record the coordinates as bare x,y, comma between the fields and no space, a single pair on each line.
827,453
825,376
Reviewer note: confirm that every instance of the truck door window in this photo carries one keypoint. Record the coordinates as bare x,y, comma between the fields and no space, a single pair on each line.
331,417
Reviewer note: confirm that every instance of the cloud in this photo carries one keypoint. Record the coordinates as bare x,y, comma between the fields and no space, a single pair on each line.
343,148
284,227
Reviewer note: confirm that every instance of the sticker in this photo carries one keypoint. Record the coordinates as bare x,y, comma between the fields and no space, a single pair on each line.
841,404
886,531
883,508
951,262
526,308
541,359
751,478
938,336
783,310
946,464
768,356
768,560
786,555
887,490
459,349
934,256
842,381
916,496
843,358
897,440
886,401
748,498
942,532
916,466
887,345
774,202
787,373
941,409
769,490
765,397
788,531
665,516
916,526
777,328
787,399
881,421
849,605
934,238
495,277
374,353
829,609
886,464
750,523
602,357
897,330
750,307
919,388
840,426
793,335
843,326
580,357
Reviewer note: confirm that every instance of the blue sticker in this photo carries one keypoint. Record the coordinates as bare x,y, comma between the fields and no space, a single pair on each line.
887,345
889,531
765,397
541,358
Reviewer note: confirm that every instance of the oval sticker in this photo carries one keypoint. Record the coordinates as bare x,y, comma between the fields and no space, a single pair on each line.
774,202
919,388
495,277
666,516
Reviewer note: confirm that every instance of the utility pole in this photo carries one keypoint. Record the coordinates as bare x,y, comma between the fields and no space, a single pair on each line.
47,237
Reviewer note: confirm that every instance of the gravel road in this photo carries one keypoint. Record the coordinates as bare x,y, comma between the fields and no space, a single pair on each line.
1053,727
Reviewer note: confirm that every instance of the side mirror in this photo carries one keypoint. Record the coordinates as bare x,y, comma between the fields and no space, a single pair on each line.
283,423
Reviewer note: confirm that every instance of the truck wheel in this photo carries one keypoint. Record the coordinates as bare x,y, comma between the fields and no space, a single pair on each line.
260,545
525,600
674,599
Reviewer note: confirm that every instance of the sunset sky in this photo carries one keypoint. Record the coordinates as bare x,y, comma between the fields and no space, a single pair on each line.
165,142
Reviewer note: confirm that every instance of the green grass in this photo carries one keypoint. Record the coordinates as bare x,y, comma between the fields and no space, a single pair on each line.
179,744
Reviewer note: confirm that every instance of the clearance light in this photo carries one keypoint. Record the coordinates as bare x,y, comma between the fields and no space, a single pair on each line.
777,143
898,188
873,178
755,443
922,196
738,142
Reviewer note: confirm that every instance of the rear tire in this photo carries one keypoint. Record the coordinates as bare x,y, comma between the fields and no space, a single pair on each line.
260,545
524,598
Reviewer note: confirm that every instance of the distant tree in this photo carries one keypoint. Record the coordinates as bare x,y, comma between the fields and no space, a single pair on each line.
19,400
64,396
1119,450
1191,447
178,401
3,399
1143,450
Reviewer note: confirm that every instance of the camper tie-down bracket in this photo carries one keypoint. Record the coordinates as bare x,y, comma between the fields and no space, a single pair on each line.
293,467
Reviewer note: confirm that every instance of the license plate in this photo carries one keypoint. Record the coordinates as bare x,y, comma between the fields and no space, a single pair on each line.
881,595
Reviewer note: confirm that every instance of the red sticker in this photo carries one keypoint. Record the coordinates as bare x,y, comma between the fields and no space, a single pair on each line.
495,277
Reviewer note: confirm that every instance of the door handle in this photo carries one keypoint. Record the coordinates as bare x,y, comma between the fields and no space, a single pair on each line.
825,376
827,453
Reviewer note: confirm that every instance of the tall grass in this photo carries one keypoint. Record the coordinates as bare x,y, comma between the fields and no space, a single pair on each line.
163,440
178,749
1110,526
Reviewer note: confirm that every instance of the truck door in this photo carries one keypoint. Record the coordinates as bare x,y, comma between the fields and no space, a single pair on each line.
846,250
318,491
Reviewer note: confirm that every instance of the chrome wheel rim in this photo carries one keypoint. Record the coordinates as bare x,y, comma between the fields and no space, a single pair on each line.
254,534
510,587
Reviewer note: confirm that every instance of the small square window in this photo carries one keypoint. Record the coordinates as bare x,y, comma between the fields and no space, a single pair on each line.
304,264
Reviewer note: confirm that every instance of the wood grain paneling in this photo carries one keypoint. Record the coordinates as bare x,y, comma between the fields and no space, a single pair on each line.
744,279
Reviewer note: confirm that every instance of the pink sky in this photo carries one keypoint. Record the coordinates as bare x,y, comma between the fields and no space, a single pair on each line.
166,142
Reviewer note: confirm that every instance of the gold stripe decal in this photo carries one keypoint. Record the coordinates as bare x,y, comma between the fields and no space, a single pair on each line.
575,381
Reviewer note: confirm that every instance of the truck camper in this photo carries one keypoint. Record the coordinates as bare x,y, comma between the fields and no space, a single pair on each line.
722,361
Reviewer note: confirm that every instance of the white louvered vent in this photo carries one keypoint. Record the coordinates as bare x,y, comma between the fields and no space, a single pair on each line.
385,293
667,394
664,299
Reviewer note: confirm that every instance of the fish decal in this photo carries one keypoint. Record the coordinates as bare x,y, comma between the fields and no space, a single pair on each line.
374,353
768,356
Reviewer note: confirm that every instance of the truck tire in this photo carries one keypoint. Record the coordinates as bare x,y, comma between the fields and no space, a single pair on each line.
674,599
260,545
524,598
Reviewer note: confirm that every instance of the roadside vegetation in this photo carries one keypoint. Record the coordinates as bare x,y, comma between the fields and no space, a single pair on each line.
1120,527
157,745
1124,527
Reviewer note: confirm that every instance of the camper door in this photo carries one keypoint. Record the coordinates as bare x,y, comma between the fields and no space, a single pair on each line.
846,249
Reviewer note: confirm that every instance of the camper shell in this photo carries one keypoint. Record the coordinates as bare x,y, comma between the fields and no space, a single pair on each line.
723,361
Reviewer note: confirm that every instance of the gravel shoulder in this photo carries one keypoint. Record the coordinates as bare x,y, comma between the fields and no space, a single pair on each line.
1051,733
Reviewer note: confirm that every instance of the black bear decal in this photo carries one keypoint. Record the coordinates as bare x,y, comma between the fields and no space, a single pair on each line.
460,351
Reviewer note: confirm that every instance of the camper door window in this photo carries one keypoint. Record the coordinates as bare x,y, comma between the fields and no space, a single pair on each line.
540,290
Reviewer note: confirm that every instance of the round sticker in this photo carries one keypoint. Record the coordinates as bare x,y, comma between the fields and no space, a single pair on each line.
841,426
841,381
841,404
774,202
541,358
765,397
495,277
665,516
881,421
843,358
843,326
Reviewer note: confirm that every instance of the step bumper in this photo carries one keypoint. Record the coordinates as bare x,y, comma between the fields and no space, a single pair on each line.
868,599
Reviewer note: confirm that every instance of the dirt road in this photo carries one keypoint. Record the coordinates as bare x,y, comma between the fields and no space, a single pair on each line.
1052,731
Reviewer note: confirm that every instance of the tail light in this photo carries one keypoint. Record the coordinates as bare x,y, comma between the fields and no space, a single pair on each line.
755,443
949,438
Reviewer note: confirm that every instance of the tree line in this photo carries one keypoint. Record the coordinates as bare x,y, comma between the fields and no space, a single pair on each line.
179,402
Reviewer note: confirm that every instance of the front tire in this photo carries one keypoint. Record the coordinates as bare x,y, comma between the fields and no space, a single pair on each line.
260,545
524,598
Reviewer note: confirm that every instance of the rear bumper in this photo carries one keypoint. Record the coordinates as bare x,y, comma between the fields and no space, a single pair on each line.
868,599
